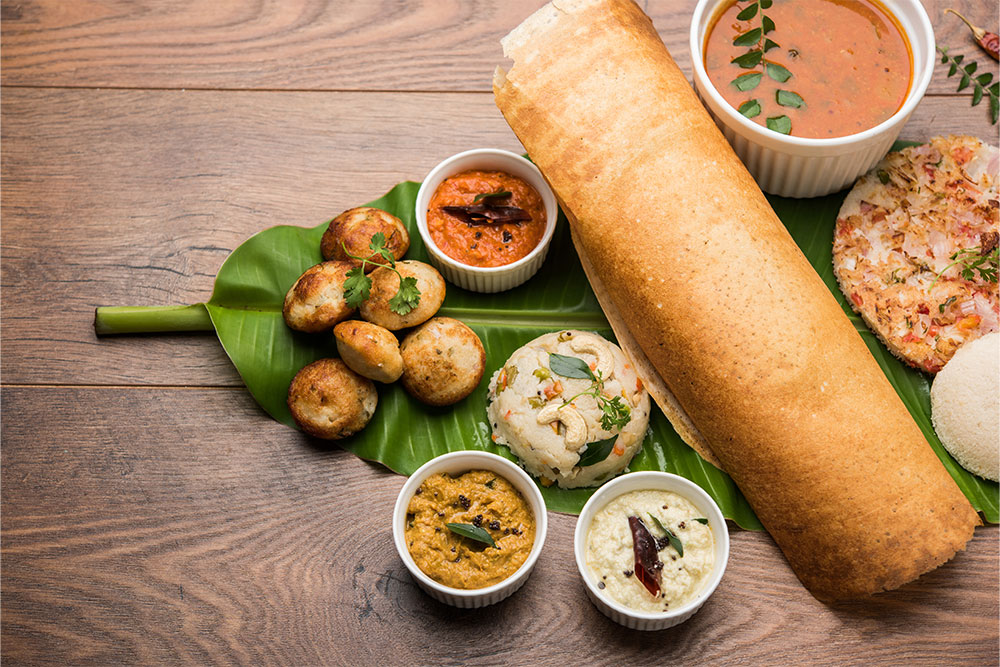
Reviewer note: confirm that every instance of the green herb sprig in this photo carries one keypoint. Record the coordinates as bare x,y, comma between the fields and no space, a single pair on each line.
357,286
472,532
981,85
615,413
758,44
984,261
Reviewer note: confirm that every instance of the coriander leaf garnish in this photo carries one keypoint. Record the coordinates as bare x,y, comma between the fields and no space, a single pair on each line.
787,98
377,244
758,45
357,287
750,108
407,297
782,124
672,539
980,84
597,452
472,532
615,412
983,259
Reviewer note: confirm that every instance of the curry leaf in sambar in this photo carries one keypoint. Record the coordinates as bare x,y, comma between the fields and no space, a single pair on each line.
748,38
782,124
747,82
747,12
750,108
749,59
778,72
787,98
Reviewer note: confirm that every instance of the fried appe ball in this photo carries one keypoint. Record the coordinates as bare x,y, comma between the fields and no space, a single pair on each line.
443,361
369,350
385,284
355,228
316,300
328,400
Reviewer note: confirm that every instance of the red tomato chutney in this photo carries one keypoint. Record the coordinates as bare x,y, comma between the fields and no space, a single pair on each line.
490,243
849,60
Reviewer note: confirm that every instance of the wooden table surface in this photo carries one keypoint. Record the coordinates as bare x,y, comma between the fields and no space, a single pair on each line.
151,512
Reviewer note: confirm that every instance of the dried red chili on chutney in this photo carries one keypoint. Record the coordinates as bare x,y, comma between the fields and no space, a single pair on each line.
486,242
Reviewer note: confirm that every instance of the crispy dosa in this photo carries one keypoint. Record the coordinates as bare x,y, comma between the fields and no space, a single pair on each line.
745,335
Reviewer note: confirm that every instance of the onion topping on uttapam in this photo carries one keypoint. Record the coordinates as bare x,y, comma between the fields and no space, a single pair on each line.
915,248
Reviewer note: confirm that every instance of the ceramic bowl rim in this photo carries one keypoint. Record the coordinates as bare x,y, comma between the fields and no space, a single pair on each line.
657,481
511,469
921,80
431,182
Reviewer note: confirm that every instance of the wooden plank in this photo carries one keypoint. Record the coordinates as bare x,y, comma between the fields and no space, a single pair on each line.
137,197
182,525
428,45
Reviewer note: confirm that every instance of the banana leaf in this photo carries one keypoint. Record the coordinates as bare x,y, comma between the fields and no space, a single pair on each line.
245,311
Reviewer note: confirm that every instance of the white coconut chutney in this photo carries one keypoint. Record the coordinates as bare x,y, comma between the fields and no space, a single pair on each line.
611,558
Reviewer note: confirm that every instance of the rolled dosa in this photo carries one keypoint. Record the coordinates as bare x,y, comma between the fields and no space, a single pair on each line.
747,338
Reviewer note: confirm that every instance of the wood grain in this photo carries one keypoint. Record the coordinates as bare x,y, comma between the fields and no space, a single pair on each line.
429,45
137,197
170,520
163,525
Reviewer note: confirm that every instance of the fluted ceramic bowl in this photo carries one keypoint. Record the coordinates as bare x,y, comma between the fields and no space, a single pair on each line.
805,167
493,278
657,481
456,463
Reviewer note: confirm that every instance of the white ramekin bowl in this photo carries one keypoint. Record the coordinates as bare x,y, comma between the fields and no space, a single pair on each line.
496,278
457,463
801,167
659,481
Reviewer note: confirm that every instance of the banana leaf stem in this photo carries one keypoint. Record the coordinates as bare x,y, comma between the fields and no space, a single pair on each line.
111,320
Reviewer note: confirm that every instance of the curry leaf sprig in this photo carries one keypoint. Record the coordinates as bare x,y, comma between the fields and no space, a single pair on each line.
981,86
357,286
615,413
758,44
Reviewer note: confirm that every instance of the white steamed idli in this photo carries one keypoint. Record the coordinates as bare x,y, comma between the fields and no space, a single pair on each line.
965,406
